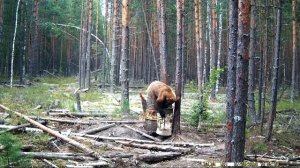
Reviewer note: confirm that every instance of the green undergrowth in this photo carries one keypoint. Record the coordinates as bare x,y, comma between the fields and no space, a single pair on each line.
10,155
46,93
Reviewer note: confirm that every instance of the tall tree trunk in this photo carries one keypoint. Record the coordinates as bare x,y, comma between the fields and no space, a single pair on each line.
164,76
264,74
85,44
240,108
88,51
23,40
151,44
184,46
13,46
294,25
213,47
220,19
83,37
104,61
231,76
178,80
197,15
96,48
260,77
275,68
207,42
34,46
251,76
1,21
113,68
125,58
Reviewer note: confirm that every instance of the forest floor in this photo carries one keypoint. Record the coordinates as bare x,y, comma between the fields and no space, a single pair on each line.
48,93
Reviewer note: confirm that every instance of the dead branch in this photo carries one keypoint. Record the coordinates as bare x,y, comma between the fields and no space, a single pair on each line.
55,155
88,165
49,163
272,160
52,74
26,129
154,147
58,110
65,120
157,157
142,133
98,129
18,127
56,134
176,144
91,122
79,114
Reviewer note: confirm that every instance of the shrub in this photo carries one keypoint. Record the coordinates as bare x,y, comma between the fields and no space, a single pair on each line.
10,154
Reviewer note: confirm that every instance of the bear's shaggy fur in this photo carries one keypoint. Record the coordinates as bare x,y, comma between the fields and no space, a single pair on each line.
160,94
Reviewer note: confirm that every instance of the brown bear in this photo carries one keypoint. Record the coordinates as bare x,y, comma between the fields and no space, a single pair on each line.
159,97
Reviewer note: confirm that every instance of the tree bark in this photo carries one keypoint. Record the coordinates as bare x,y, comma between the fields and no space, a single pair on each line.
157,157
164,76
113,68
151,45
275,68
155,147
125,58
240,108
197,20
231,76
251,76
104,61
184,46
213,47
178,80
13,47
34,46
264,74
98,129
1,20
294,41
52,155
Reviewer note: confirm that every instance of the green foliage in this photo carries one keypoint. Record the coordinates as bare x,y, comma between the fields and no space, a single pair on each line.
191,86
260,147
199,110
117,113
125,107
10,155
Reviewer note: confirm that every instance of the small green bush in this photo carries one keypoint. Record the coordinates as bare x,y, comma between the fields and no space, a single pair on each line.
10,155
260,147
198,110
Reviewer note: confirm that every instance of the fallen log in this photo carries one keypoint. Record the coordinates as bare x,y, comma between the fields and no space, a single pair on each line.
56,134
176,144
55,155
12,128
78,114
154,147
275,161
21,128
157,157
91,122
142,133
58,111
98,129
89,164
